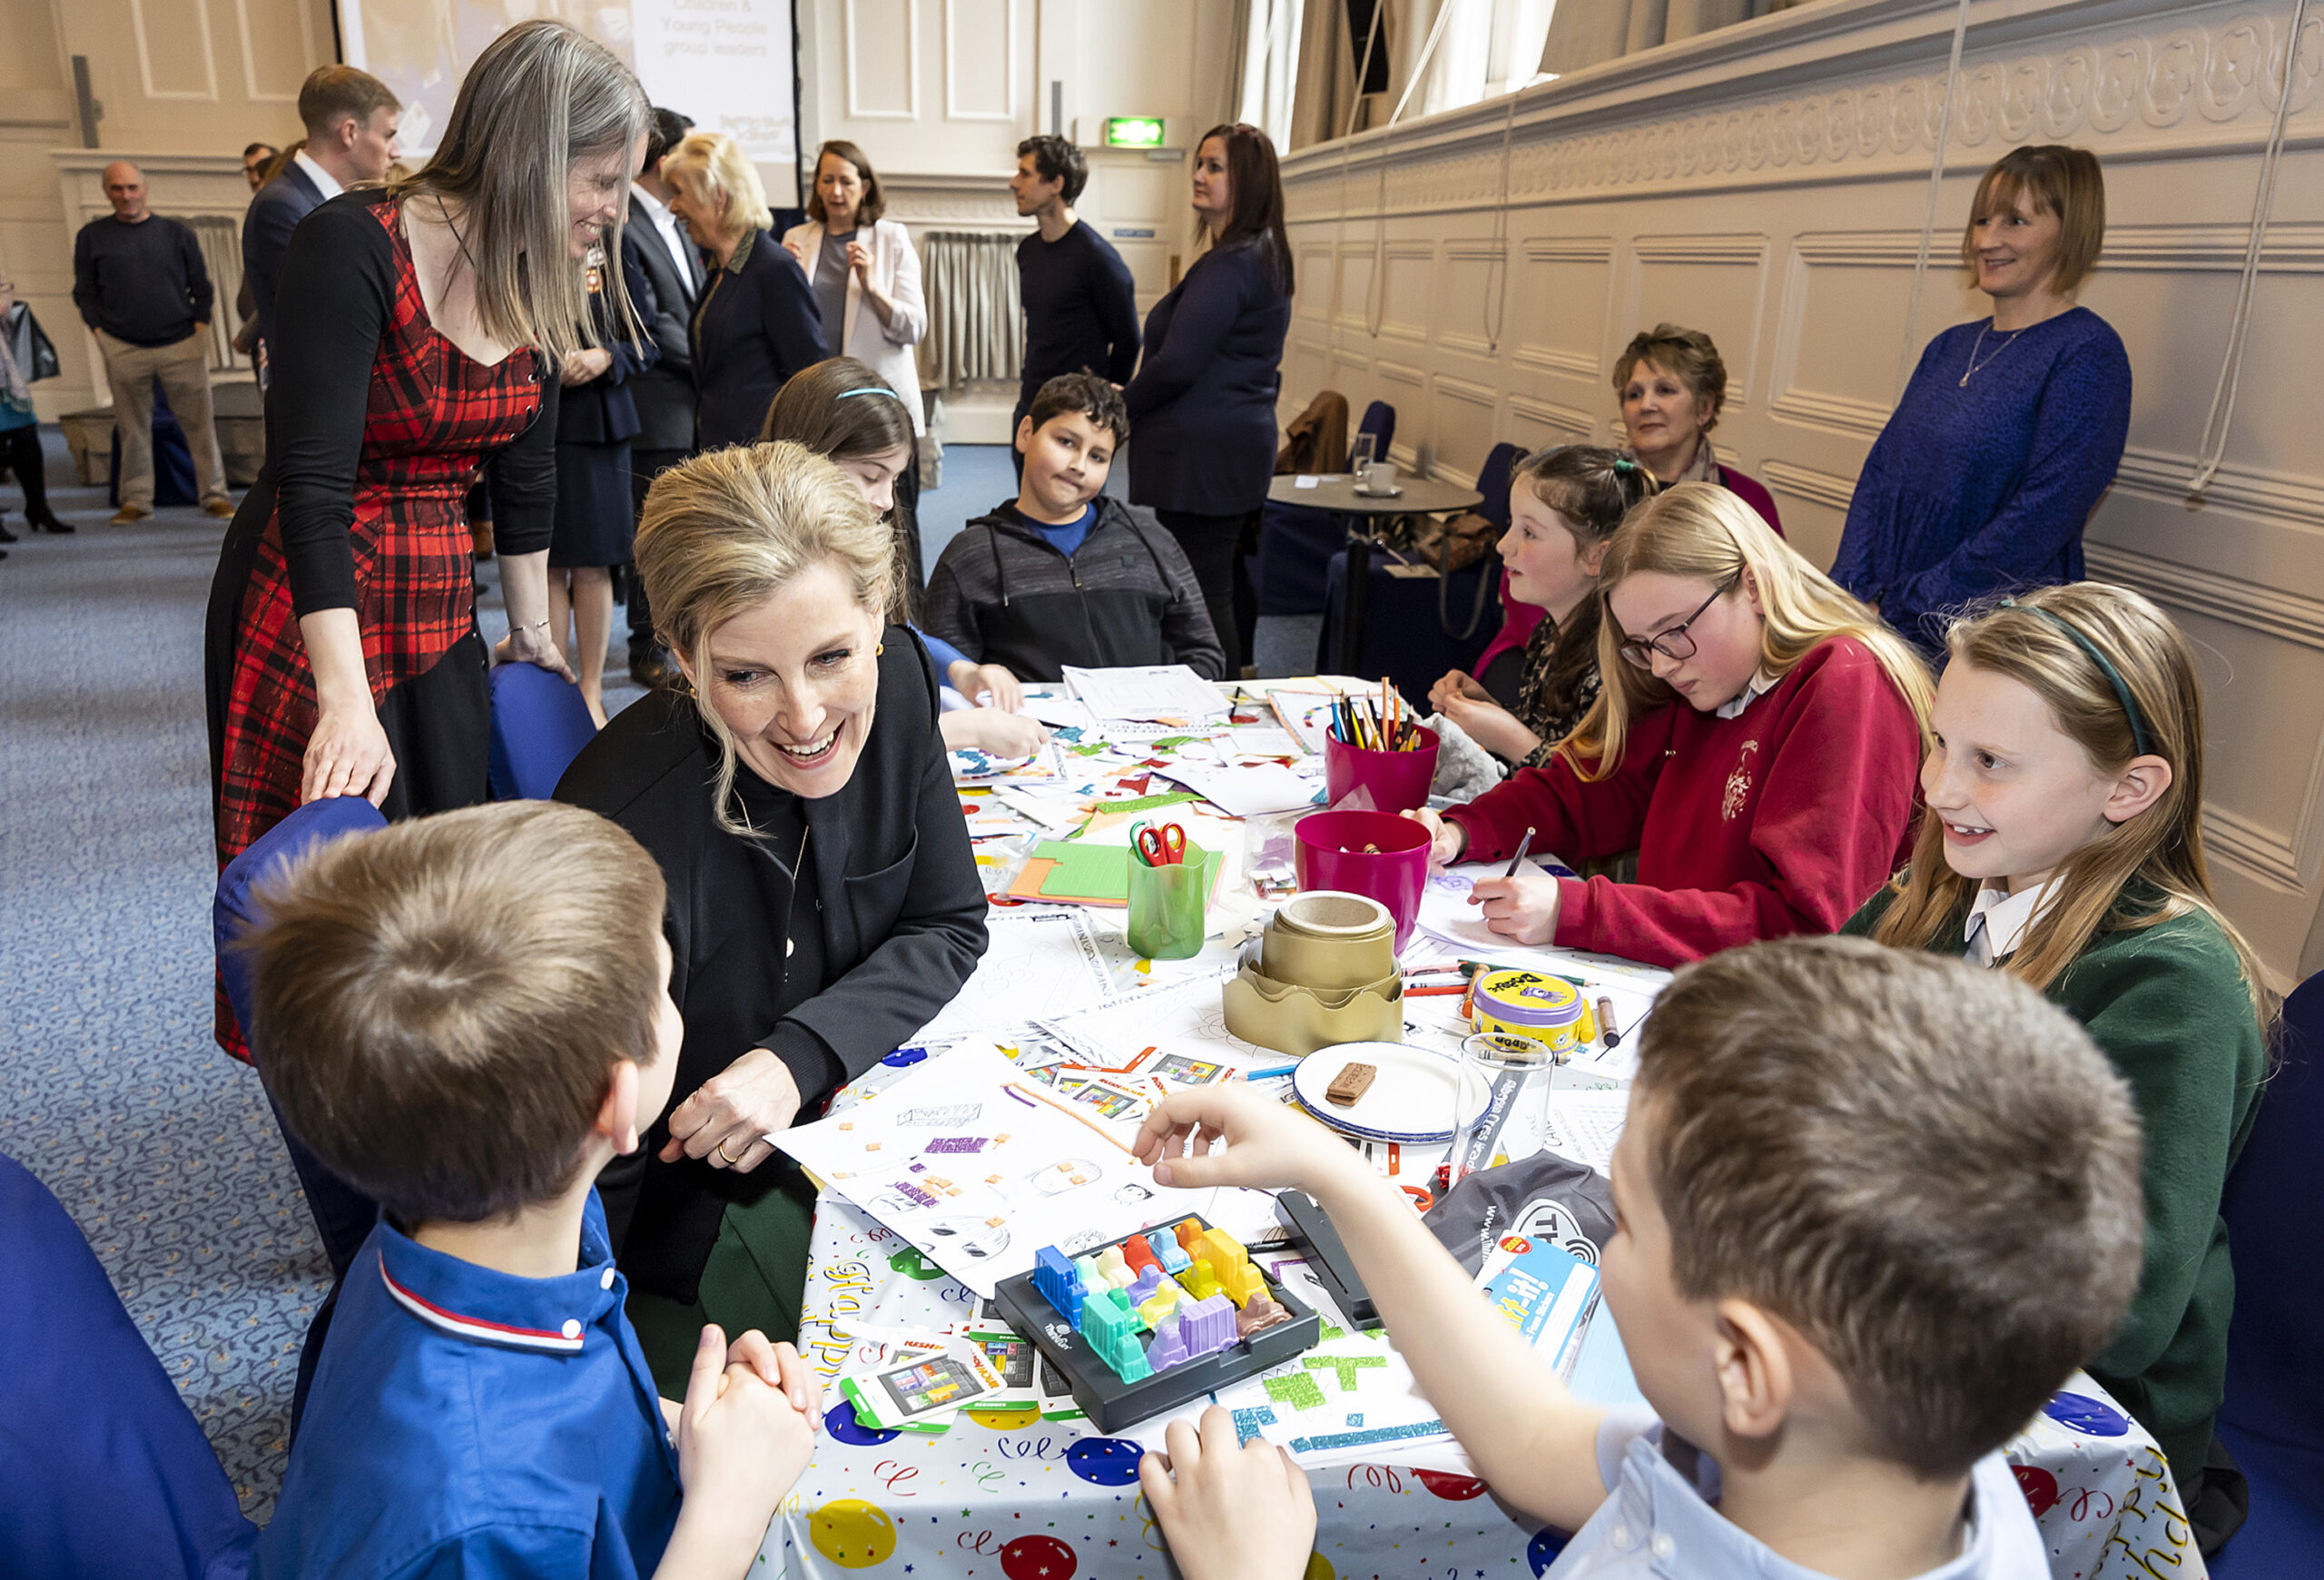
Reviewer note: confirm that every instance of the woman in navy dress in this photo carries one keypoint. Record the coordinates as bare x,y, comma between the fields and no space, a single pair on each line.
2013,425
1202,417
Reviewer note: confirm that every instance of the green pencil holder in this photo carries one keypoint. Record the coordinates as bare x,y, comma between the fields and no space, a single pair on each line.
1165,908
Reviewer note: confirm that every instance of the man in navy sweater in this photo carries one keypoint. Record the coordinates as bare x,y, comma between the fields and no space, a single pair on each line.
144,292
1080,304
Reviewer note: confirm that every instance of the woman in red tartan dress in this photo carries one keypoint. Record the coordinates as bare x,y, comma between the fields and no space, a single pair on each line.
359,509
343,656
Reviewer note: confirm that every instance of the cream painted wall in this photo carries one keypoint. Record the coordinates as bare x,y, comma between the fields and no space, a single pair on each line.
939,93
183,84
1767,184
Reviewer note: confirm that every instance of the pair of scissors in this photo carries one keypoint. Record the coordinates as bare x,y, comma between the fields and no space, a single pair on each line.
1161,847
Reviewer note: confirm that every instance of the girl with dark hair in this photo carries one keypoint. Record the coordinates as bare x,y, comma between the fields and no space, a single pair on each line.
1202,406
1564,504
844,412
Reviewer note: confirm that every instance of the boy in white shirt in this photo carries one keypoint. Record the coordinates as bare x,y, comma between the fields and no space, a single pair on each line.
1872,1209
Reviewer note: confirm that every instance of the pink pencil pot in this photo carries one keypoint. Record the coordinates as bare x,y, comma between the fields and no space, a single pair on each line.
1398,781
1374,854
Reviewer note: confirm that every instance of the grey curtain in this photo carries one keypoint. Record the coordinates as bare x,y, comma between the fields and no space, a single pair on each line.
975,323
222,254
1583,33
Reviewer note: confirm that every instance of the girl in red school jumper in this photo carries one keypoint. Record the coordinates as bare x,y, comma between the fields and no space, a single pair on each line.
1757,741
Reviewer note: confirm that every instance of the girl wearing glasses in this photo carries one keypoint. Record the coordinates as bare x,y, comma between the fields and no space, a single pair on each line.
1756,740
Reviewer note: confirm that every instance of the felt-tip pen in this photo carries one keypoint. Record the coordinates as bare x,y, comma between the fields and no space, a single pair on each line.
1606,1027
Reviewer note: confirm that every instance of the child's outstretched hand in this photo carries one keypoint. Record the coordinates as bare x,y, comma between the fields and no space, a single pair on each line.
1268,1145
1447,840
1229,1513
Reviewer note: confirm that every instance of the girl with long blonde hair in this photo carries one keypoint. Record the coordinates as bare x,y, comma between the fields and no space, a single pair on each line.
1754,741
2063,843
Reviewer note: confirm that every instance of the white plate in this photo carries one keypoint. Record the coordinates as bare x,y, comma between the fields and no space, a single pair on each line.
1409,1101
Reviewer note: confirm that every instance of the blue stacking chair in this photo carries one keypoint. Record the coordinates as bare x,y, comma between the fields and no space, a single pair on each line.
539,724
2274,1417
103,1471
343,1215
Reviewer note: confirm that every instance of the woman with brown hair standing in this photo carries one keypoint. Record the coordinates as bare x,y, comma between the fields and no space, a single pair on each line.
1202,407
420,329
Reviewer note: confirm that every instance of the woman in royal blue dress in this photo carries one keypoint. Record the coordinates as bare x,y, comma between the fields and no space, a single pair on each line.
2013,425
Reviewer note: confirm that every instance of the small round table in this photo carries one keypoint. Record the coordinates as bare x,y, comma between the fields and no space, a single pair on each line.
1336,492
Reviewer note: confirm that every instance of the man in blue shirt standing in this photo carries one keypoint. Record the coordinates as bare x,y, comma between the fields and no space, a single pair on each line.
1080,303
144,292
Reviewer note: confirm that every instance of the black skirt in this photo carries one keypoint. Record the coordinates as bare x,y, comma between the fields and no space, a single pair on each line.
593,526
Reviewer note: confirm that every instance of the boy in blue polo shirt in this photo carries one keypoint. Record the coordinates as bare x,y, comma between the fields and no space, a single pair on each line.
1871,1208
466,1016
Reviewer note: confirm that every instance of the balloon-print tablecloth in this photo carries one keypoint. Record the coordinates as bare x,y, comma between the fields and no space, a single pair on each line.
1012,1495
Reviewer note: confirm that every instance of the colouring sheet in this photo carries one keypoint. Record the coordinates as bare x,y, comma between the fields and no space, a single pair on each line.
976,1166
1186,1018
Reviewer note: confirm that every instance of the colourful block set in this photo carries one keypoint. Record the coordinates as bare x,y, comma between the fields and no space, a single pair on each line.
1167,1314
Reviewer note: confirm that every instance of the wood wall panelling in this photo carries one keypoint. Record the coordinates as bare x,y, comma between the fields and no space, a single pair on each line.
980,60
880,42
174,57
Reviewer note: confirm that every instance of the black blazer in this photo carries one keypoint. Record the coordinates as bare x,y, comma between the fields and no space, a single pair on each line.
757,324
903,922
602,411
665,301
1202,416
267,227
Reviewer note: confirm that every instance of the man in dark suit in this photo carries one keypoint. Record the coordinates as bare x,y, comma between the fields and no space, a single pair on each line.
662,270
351,118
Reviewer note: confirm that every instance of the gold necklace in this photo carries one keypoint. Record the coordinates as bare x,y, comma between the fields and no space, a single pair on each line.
1973,363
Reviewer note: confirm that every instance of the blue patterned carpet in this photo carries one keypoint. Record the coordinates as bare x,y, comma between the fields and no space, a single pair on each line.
111,1089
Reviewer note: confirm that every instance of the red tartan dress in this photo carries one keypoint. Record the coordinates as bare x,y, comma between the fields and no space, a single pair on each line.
433,418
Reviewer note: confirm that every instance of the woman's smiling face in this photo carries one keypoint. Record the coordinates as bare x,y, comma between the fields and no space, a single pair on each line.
794,681
595,187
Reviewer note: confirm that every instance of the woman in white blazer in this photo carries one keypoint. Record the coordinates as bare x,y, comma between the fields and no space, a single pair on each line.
872,277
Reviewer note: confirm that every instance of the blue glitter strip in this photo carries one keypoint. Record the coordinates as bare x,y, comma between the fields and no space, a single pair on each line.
1376,1435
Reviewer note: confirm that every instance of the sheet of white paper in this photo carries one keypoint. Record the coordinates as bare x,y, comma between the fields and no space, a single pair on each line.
1149,691
1445,910
1040,963
978,1168
1057,711
1585,1125
1305,480
1187,1017
1246,792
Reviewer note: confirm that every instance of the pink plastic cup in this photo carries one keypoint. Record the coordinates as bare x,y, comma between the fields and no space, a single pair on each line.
1329,853
1397,781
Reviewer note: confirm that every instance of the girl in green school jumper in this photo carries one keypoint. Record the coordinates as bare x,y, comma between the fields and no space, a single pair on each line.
2063,844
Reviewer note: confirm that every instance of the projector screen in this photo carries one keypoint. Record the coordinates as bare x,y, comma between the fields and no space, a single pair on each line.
728,63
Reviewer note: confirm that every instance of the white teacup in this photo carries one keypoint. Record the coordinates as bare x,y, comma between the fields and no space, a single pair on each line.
1379,476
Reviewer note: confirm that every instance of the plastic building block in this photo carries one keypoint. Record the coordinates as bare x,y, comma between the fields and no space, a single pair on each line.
1208,1325
1114,1268
1059,1283
1258,1314
1243,1285
1226,1251
1138,1254
1112,1332
1171,1255
1190,1234
1198,1281
1092,1280
1148,1285
1163,1299
1168,1349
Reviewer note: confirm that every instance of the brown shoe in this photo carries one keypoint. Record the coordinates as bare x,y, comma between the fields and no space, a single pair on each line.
129,515
220,509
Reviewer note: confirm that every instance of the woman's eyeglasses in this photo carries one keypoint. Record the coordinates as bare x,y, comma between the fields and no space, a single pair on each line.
1673,643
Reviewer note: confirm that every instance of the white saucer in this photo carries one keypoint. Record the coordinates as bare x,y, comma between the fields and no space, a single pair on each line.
1409,1101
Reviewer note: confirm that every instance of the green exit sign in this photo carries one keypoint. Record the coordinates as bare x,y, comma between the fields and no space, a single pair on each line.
1133,131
